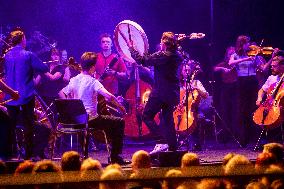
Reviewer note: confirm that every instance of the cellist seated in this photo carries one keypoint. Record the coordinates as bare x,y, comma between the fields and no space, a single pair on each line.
196,92
277,69
268,114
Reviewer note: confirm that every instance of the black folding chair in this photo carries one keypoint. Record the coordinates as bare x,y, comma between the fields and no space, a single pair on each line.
72,118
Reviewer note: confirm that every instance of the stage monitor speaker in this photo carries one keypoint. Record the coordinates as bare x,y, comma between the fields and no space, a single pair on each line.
168,159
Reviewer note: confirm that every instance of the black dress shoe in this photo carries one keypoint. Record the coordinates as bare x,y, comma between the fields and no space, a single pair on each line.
119,160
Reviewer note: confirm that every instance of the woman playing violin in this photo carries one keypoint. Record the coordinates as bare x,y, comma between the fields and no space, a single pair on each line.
247,87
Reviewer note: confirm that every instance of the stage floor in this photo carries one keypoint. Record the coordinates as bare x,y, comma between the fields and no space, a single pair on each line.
212,152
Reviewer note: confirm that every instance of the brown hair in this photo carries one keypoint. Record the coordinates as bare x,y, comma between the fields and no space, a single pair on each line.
141,159
91,164
189,159
71,161
25,167
279,59
16,37
55,51
44,166
88,59
170,40
241,40
104,35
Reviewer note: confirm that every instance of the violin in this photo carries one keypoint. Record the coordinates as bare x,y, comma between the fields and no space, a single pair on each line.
72,64
256,50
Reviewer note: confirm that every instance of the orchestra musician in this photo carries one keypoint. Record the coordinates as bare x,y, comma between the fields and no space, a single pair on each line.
85,87
246,67
196,92
49,84
72,68
165,92
20,66
277,68
110,68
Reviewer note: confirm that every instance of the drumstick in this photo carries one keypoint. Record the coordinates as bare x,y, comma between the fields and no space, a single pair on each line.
129,35
123,36
6,101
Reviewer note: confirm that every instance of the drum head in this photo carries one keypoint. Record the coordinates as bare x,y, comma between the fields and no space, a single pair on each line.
123,31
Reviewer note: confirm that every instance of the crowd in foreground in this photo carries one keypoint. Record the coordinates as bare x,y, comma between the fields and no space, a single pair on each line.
269,161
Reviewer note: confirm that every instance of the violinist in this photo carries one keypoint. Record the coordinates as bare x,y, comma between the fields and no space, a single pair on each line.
247,87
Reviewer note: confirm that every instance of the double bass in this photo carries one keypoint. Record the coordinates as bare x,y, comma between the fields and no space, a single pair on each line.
137,95
270,113
184,118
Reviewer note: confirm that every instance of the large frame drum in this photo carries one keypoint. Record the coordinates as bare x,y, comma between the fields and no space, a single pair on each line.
124,32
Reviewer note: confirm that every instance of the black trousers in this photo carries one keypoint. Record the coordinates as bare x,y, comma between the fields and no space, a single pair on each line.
114,128
229,108
165,132
247,94
25,113
5,127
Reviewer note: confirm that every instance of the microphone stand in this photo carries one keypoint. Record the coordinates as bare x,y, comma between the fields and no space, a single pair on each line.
223,123
188,88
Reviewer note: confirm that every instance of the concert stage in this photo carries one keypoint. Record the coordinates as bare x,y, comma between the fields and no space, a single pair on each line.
212,152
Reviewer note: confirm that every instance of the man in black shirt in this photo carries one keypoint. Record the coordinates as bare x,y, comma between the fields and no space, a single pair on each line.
165,92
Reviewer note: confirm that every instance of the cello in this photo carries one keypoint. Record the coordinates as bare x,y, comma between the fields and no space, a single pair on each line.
184,117
270,113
